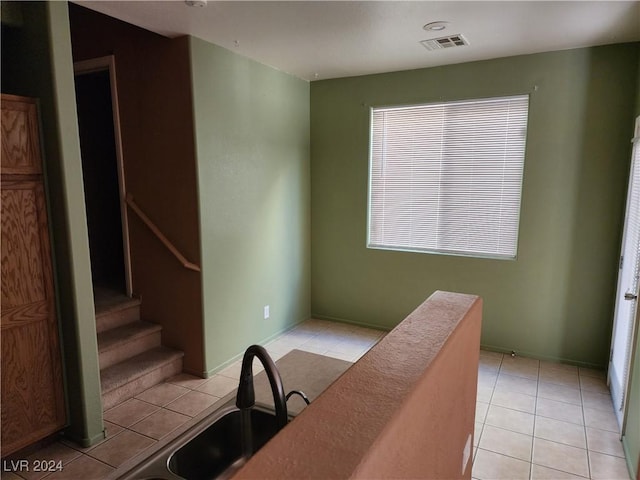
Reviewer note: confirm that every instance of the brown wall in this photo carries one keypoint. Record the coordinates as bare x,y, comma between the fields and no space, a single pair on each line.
154,89
405,410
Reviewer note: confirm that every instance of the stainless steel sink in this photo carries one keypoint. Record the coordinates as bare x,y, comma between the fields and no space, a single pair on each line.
214,451
209,450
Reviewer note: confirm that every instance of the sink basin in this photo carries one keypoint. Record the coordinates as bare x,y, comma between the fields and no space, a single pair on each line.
216,452
209,450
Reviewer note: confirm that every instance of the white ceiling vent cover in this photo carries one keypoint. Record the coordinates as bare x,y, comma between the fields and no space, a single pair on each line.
445,42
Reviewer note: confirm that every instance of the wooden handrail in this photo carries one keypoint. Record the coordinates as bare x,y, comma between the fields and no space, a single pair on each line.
165,241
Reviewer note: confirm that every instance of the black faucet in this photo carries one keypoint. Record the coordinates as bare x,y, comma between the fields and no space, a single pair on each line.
246,399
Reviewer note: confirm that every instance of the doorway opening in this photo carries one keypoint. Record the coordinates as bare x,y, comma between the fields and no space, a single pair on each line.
102,171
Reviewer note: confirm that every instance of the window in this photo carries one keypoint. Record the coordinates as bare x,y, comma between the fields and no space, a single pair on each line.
447,177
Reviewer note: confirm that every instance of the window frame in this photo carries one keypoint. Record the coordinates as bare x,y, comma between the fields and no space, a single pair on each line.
446,251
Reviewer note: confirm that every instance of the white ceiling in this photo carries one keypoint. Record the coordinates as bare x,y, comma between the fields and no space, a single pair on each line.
328,39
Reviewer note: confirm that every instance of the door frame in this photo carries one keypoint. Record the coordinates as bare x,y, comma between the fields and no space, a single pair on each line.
100,64
620,290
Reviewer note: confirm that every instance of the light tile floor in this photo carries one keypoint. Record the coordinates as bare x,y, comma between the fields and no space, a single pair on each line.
541,420
534,420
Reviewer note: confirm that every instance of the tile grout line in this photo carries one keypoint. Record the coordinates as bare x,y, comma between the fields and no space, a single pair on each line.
48,475
584,422
535,423
141,418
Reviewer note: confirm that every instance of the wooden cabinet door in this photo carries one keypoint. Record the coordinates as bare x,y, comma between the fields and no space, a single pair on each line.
20,139
32,395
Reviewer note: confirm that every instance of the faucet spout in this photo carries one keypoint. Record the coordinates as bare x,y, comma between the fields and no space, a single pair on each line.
245,399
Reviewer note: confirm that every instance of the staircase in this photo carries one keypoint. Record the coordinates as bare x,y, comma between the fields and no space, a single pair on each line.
131,356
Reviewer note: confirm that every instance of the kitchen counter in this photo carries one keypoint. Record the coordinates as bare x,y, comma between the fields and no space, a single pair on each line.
303,371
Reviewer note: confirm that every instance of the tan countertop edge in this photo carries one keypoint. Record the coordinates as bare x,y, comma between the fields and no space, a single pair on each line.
336,436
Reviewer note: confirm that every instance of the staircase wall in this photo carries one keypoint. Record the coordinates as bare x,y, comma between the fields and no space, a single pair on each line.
157,131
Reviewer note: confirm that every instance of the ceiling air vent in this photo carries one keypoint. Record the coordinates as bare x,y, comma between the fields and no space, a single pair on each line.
444,42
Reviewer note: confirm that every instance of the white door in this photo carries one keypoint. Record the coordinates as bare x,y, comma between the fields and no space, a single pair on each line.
627,294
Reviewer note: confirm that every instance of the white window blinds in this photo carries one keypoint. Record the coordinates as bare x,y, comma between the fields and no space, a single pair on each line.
447,177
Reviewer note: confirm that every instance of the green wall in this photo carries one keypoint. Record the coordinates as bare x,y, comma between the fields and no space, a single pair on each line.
36,62
631,438
252,150
556,300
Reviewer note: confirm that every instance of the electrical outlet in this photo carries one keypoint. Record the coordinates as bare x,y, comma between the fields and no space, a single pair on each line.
266,312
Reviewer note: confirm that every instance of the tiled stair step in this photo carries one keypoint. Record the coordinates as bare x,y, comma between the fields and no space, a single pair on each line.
117,344
116,315
126,379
